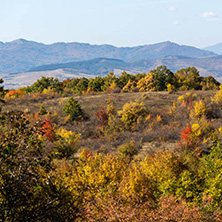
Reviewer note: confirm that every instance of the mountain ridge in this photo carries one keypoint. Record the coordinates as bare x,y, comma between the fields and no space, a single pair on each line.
215,48
21,55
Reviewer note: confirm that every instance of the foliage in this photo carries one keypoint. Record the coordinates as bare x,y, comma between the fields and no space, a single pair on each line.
27,188
200,109
162,77
188,78
48,130
147,83
44,83
133,168
81,86
132,113
211,169
124,78
187,141
42,110
128,149
218,97
102,116
2,91
130,86
73,109
96,84
67,143
14,93
108,80
72,83
174,209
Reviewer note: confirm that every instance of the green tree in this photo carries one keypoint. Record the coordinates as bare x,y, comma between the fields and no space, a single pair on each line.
188,78
108,80
96,84
124,79
162,77
44,83
73,83
73,109
82,85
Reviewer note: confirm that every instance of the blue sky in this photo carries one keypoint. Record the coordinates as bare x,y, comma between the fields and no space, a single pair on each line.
117,22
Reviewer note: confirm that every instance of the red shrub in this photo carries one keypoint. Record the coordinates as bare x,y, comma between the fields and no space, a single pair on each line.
48,130
102,116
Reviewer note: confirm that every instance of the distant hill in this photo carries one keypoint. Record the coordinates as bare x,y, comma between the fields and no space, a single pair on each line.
215,48
21,55
101,66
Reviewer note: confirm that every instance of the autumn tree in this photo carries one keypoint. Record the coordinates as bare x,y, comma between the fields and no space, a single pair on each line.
147,83
27,187
108,80
188,78
124,78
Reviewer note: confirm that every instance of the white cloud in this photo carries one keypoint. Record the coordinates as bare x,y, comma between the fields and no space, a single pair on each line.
172,8
176,22
211,16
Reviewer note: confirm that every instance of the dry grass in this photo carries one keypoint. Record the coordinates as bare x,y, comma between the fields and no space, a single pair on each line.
155,102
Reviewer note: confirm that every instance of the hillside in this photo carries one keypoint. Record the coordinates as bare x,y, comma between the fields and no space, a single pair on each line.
215,48
101,66
21,55
101,154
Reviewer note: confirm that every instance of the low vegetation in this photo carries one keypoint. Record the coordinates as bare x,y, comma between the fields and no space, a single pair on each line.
82,151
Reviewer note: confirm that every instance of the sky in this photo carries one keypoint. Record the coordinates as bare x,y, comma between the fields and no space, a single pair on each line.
117,22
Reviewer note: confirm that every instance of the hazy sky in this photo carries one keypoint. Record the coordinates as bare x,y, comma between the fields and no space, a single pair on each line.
117,22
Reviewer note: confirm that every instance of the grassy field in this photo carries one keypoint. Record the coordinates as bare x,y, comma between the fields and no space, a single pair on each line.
157,103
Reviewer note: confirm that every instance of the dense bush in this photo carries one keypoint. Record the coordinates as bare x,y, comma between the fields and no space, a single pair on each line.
73,109
28,190
44,83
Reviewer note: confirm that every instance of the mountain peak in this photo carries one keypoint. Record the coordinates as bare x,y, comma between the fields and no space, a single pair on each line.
19,41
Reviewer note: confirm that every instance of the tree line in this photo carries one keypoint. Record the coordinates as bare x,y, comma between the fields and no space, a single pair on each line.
159,79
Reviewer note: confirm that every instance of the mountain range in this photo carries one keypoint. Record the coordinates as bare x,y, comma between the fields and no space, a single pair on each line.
22,61
215,48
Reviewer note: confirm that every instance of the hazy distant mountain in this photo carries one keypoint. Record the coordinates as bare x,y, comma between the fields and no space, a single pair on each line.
215,48
101,66
21,55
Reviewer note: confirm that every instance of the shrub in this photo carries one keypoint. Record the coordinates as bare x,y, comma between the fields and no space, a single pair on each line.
73,109
132,112
42,110
102,116
211,169
128,149
67,143
28,190
48,130
14,93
